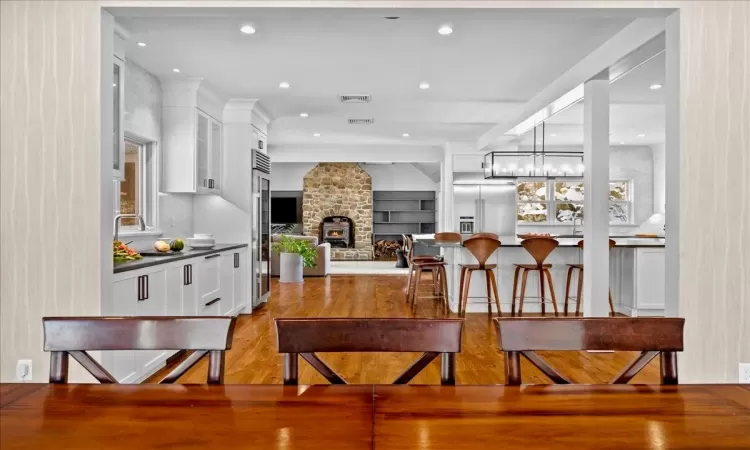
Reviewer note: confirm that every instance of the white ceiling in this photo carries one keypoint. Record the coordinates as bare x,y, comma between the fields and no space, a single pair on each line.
494,60
636,109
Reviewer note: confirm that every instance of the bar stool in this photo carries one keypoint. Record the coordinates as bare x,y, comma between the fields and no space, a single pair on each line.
539,248
449,237
572,268
410,259
439,281
481,247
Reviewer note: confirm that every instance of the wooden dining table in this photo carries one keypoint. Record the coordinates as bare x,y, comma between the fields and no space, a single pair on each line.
42,416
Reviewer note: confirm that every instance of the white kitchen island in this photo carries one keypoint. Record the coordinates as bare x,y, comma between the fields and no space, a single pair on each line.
636,275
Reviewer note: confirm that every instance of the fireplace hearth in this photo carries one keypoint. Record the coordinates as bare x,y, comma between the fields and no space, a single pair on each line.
337,231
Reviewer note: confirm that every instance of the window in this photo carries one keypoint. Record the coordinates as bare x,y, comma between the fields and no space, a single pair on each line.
532,201
565,200
135,194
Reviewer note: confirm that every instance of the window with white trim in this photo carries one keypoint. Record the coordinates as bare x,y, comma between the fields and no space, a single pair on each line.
136,192
561,202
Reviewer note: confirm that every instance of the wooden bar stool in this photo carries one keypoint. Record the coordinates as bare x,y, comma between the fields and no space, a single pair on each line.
571,269
539,248
481,247
439,281
410,259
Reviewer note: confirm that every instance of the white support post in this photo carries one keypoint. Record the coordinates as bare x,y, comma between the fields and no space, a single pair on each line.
596,198
446,194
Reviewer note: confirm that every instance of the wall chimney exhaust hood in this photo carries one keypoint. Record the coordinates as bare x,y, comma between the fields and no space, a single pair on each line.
533,164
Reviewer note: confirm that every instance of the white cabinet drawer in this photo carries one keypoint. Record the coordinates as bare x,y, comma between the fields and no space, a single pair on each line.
209,278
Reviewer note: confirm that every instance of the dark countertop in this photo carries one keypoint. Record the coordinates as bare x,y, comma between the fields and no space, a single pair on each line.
513,241
148,261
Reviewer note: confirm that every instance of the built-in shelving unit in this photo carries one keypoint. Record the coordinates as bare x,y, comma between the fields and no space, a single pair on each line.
402,212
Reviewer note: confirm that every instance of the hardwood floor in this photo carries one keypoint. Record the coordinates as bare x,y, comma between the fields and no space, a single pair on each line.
254,358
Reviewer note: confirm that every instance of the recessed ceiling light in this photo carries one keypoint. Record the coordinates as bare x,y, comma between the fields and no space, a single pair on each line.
316,134
303,114
405,135
656,86
284,85
553,134
247,29
114,84
424,85
176,70
622,143
445,30
141,44
641,135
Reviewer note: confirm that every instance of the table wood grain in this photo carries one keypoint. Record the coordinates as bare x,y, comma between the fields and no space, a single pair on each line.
567,416
189,416
366,416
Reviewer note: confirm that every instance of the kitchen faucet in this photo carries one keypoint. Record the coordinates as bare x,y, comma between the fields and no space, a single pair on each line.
127,216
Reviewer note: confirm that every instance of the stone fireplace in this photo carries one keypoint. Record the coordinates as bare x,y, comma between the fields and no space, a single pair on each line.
338,231
340,191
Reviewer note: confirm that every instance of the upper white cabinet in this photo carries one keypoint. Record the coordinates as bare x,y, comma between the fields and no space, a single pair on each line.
192,138
118,136
245,126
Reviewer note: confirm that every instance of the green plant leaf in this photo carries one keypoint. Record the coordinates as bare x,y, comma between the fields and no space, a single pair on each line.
287,244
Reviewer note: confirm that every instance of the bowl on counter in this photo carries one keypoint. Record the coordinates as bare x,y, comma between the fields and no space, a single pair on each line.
201,243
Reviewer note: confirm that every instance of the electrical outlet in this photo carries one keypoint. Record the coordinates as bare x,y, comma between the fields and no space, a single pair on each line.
745,373
23,370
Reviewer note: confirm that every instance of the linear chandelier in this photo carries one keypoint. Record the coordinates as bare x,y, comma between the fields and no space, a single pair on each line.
533,163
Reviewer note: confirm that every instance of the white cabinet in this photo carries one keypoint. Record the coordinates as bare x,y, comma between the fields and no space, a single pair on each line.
192,138
121,364
240,282
152,301
118,135
208,152
211,285
228,261
209,279
189,290
640,288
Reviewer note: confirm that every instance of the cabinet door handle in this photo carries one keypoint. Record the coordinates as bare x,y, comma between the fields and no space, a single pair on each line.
187,274
142,287
191,273
213,301
215,255
236,260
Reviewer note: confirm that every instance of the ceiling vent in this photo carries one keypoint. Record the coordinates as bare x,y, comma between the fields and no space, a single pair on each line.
361,121
355,98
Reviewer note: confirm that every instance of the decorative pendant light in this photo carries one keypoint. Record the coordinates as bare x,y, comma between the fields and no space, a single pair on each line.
533,164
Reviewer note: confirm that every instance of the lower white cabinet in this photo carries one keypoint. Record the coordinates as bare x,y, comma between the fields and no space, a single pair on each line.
211,285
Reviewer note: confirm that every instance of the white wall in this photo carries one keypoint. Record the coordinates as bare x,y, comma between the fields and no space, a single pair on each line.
659,177
50,165
287,176
142,118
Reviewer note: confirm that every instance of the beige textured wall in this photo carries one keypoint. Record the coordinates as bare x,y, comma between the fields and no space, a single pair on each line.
49,172
715,189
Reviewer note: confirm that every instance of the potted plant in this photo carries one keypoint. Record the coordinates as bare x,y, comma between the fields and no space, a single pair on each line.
294,255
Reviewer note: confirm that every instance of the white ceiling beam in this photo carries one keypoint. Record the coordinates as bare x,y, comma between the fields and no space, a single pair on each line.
634,35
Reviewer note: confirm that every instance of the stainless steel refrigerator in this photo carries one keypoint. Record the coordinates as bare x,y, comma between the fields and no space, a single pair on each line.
485,208
261,231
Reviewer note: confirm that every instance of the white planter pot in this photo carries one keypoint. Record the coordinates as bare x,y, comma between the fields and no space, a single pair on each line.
290,268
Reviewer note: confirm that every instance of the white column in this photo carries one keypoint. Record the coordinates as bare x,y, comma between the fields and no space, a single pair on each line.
596,198
672,168
446,188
